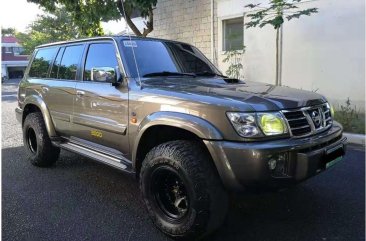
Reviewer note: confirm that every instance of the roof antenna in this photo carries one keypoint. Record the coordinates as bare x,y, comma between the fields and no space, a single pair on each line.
132,47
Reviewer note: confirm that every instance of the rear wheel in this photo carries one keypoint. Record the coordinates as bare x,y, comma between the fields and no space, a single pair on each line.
182,190
39,147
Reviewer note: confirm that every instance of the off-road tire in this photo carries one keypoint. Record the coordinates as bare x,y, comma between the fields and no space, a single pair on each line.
38,144
208,200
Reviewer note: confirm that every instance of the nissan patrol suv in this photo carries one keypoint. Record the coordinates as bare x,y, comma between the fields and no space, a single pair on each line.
161,111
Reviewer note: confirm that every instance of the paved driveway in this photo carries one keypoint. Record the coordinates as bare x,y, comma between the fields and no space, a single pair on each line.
78,199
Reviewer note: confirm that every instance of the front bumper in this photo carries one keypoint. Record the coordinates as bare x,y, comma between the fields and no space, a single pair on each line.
246,165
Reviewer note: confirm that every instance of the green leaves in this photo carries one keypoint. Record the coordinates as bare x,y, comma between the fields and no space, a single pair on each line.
8,31
252,5
49,28
88,14
298,14
234,58
275,13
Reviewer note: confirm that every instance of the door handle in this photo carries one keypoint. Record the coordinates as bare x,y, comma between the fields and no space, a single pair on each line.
45,89
80,93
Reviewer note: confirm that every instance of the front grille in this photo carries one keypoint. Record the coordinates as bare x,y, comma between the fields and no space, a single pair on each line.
308,120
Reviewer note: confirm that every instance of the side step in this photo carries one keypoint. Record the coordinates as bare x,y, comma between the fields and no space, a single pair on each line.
119,163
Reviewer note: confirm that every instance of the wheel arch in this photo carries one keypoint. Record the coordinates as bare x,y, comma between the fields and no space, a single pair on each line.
161,127
34,104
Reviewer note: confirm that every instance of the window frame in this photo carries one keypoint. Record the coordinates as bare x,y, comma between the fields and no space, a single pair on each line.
50,65
223,31
78,74
61,48
8,50
85,55
84,42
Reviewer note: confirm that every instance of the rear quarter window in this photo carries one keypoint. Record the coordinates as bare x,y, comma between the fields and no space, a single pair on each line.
42,62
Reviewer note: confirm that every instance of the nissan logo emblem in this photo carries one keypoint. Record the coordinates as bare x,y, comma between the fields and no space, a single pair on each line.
316,117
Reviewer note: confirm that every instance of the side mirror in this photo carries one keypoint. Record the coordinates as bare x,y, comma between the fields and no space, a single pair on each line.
106,74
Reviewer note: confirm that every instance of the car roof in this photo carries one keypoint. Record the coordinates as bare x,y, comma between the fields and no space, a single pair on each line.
114,37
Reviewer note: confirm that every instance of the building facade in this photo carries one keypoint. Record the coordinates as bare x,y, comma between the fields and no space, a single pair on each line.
13,61
324,52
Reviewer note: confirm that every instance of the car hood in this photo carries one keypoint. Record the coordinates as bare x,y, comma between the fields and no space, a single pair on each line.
259,96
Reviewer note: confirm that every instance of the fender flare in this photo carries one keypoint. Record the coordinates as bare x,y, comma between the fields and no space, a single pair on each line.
38,101
196,125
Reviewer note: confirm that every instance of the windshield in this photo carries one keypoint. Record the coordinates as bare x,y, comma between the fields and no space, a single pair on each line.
154,56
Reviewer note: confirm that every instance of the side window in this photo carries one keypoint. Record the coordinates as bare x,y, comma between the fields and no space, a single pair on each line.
56,64
41,62
100,55
70,62
233,34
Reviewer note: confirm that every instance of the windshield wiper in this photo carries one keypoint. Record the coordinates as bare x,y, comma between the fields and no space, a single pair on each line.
207,73
167,73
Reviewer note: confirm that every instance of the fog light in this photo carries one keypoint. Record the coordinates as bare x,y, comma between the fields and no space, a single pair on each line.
272,164
278,165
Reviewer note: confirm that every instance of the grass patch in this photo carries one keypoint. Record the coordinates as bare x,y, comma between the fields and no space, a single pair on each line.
352,120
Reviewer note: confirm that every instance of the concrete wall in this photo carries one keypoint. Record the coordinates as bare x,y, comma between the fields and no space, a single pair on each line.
188,21
324,52
327,51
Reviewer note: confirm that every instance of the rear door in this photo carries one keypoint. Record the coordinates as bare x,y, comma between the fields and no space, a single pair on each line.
60,92
101,109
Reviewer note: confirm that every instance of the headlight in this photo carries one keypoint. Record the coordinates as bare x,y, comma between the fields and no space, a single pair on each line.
272,124
244,123
331,110
251,124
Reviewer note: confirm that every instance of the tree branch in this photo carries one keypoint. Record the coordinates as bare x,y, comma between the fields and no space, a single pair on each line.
149,24
127,17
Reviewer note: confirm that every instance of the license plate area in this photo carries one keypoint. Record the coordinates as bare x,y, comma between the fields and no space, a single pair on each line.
333,155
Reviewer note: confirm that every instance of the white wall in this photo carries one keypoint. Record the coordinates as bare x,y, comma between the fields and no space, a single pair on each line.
323,52
4,71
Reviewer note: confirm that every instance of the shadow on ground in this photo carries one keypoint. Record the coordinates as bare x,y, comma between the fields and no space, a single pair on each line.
78,199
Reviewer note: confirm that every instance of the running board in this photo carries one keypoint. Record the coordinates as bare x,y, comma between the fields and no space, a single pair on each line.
97,156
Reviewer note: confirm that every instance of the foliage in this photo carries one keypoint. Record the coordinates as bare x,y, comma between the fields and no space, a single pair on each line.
49,28
350,118
88,14
234,58
8,31
275,14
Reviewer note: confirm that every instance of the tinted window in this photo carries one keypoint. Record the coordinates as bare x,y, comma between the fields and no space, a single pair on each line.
70,61
151,56
100,55
191,59
158,56
56,64
41,62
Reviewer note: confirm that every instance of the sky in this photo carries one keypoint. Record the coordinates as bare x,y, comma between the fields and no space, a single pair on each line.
19,14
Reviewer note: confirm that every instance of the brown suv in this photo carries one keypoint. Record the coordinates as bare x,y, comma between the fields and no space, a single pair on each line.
160,110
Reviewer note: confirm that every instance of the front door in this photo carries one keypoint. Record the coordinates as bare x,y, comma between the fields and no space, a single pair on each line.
101,109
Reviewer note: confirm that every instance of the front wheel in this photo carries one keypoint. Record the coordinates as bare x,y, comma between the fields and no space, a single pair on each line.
182,190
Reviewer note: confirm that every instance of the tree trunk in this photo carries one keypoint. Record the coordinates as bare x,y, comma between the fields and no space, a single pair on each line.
133,27
149,24
277,56
127,16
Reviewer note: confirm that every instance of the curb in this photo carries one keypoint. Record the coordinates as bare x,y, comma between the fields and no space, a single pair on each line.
355,138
